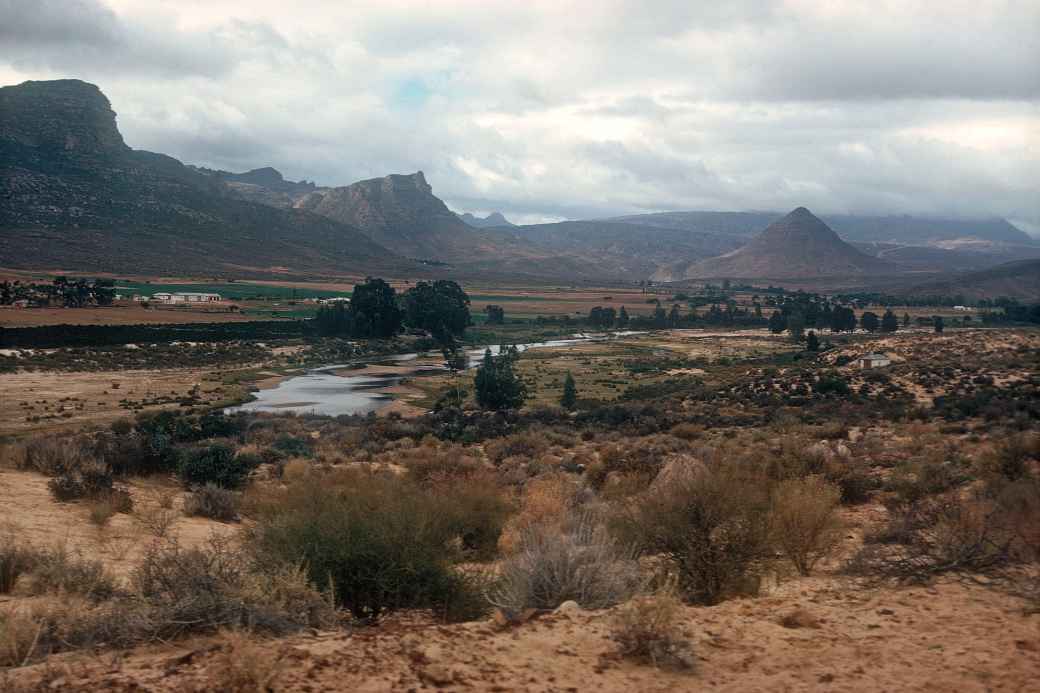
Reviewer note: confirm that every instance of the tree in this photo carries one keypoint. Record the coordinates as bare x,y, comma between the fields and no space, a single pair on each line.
869,321
495,314
440,308
889,322
673,316
622,318
777,322
843,319
906,319
938,322
812,342
496,385
374,309
570,392
796,326
660,318
334,320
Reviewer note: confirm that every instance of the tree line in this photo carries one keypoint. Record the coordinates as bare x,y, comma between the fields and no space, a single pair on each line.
75,293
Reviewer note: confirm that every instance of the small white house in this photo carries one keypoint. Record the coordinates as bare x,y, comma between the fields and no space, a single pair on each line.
964,309
334,299
873,361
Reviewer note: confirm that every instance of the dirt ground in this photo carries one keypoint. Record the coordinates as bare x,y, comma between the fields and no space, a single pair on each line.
31,512
70,400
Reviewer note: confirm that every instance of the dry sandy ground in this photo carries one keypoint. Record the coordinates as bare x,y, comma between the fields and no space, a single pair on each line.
89,397
950,637
31,512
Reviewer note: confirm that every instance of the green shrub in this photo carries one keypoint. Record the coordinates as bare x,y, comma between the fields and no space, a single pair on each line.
379,544
291,446
212,464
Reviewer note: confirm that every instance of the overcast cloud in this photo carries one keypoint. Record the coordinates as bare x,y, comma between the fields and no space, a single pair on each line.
551,110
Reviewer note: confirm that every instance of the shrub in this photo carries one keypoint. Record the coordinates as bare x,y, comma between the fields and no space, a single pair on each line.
215,586
212,464
580,563
213,502
15,560
90,479
646,630
529,445
243,666
379,543
713,528
291,446
802,520
55,455
58,570
1010,459
19,633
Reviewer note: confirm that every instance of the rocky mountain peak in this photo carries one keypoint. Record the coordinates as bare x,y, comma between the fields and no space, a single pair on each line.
65,117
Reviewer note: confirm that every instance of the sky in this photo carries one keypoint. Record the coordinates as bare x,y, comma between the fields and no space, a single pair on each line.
556,110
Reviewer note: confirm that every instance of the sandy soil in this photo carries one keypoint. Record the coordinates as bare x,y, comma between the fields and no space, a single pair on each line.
70,400
31,512
943,638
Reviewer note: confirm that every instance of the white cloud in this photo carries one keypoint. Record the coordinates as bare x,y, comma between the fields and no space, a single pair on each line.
567,109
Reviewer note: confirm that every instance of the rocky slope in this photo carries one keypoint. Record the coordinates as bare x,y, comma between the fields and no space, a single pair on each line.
798,246
491,221
74,196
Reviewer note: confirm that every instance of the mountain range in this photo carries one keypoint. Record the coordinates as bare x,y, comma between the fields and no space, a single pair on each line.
74,196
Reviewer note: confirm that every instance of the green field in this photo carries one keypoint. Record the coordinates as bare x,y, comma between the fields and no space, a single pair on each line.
235,291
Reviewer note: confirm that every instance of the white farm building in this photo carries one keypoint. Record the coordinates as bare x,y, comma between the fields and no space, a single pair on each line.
185,297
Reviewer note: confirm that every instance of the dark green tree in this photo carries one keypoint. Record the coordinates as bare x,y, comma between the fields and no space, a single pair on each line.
622,318
777,322
889,322
570,392
674,316
796,326
374,309
334,320
869,321
495,314
496,385
812,342
660,319
938,322
906,319
440,308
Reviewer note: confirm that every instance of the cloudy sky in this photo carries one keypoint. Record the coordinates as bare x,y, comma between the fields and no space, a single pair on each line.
551,110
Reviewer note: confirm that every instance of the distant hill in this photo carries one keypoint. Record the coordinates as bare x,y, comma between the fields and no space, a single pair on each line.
798,246
74,196
1019,280
901,230
492,220
627,249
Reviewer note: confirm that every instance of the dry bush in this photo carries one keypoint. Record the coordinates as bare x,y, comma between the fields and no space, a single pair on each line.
546,502
54,455
803,521
16,559
242,665
1010,458
213,502
687,431
19,637
101,512
712,528
296,470
156,520
647,630
432,463
215,586
59,570
579,562
528,445
936,535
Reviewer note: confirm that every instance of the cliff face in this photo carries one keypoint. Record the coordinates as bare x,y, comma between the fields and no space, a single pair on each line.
74,196
398,211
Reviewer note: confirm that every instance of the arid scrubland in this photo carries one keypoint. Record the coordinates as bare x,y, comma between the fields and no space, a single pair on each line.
764,519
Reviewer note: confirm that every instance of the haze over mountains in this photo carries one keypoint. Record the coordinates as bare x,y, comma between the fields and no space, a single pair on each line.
75,197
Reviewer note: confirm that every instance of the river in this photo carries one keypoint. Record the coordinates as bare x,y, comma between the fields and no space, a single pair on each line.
323,390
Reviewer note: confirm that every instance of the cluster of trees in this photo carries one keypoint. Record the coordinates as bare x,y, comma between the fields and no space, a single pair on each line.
496,385
837,319
75,293
376,311
729,314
